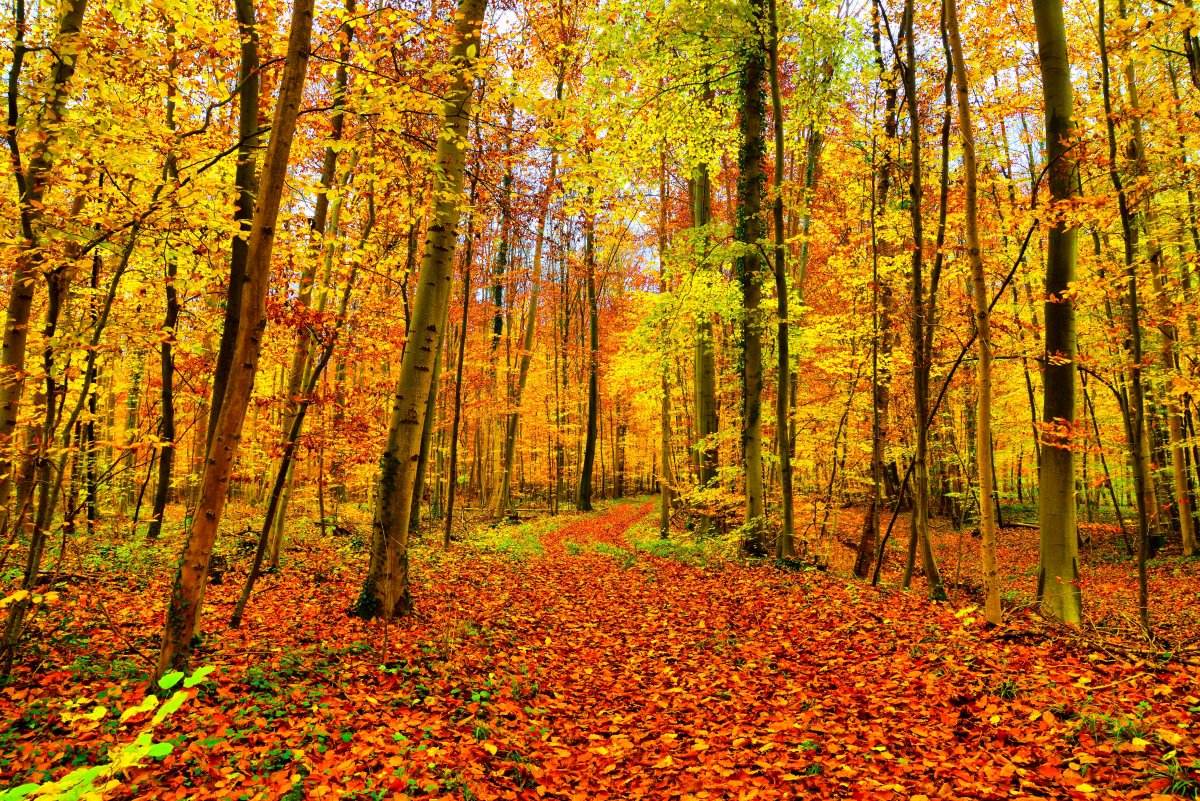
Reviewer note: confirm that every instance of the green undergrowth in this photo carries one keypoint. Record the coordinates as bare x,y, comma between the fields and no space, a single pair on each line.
521,540
681,546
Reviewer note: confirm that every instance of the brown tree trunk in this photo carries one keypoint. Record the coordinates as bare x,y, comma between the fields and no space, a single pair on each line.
385,591
187,590
31,177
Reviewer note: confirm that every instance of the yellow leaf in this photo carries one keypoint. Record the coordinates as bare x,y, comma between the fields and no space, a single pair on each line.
490,748
1169,737
1085,788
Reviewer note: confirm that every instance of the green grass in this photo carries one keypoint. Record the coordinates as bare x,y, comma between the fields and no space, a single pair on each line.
682,547
519,541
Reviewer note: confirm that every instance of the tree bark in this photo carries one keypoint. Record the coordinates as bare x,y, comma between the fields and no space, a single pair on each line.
385,591
705,378
583,498
749,230
245,185
922,331
183,612
1058,574
983,415
31,178
784,548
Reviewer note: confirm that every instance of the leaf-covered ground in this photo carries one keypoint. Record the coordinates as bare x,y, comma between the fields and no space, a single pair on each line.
566,663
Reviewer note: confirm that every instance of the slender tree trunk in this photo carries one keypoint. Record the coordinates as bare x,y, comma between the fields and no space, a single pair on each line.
921,329
983,415
750,230
452,483
705,379
324,223
385,591
512,423
881,301
187,590
166,429
245,184
784,548
1168,336
1138,441
666,480
1059,570
583,498
31,177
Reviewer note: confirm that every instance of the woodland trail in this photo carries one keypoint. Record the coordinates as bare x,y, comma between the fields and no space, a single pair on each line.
657,679
592,670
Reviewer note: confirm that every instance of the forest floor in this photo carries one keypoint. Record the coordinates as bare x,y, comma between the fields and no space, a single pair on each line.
580,657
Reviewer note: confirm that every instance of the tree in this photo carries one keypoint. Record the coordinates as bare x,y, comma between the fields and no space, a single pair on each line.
922,322
983,339
192,574
783,547
749,230
385,592
583,498
1058,574
31,171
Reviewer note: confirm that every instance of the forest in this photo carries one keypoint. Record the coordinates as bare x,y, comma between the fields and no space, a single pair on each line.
600,399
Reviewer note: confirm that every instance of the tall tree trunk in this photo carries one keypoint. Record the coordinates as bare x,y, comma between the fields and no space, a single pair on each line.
979,287
1168,336
1058,574
245,185
187,590
705,378
749,230
166,350
324,222
784,548
1139,445
452,482
921,326
31,177
513,421
666,480
583,498
881,302
385,591
166,428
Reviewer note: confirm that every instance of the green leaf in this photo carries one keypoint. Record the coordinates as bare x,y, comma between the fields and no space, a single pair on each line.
198,676
169,680
160,750
171,705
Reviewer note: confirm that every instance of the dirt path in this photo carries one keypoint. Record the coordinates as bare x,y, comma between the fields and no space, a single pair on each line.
595,672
